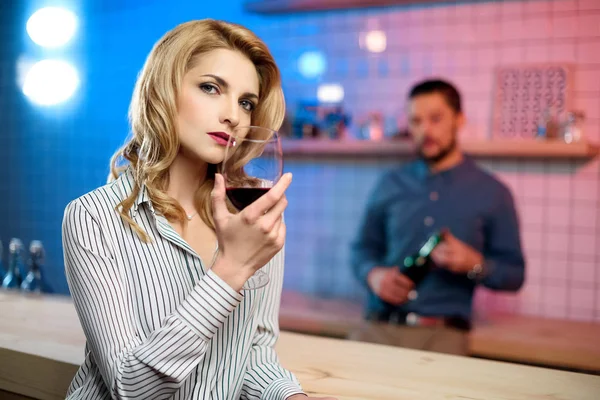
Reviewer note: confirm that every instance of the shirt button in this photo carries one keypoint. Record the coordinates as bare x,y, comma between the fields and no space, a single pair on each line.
428,221
433,196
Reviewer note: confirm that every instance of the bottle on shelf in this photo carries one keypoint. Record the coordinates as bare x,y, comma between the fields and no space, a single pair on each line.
12,279
417,266
33,280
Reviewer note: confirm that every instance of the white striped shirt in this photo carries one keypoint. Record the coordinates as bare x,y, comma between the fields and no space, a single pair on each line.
157,324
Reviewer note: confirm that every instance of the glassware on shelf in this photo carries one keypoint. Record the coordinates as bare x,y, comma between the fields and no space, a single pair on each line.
33,280
12,279
572,127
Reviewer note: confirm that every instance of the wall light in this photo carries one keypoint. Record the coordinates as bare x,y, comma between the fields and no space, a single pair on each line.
50,82
374,41
51,26
330,93
312,64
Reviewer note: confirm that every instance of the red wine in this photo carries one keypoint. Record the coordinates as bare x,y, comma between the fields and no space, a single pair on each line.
243,197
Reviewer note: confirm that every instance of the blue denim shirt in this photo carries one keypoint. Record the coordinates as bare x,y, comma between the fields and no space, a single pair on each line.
410,203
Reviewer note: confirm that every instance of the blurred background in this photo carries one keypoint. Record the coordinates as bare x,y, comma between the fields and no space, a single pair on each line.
346,73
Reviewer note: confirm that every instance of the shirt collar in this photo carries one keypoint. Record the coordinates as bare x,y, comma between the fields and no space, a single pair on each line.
130,182
422,169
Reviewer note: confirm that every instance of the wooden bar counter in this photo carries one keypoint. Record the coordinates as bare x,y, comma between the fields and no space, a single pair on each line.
41,346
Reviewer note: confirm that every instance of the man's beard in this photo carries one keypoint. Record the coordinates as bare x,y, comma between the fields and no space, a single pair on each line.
441,155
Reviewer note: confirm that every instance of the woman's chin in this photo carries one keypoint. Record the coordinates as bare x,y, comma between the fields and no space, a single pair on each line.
212,155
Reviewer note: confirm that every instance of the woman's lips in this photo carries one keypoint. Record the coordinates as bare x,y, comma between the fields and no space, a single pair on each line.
222,138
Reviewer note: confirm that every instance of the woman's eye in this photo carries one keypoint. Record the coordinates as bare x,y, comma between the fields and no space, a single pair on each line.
247,105
209,89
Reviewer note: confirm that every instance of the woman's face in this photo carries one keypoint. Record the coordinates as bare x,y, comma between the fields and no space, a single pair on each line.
217,94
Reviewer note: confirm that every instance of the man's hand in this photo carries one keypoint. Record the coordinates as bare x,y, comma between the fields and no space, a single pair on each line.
456,255
390,285
304,397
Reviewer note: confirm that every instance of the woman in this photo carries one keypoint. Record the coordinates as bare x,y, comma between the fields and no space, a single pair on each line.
160,322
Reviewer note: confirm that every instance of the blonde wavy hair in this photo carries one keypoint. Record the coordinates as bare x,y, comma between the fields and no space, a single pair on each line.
154,141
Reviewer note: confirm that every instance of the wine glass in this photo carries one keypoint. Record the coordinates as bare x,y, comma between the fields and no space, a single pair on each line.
253,164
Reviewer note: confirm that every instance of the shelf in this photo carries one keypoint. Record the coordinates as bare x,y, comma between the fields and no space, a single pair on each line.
481,149
291,6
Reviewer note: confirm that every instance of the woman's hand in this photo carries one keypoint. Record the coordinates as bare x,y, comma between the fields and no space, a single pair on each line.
248,240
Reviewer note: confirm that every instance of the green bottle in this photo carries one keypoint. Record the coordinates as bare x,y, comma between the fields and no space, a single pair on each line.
417,266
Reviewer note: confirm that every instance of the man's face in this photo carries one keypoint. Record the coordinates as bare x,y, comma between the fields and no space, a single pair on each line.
433,125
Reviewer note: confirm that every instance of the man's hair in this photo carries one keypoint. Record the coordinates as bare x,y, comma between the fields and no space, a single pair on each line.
442,87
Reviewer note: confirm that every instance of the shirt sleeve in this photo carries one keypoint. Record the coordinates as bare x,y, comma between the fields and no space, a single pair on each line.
504,261
369,248
133,366
265,378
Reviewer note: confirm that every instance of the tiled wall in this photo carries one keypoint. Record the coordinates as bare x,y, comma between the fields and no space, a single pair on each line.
558,201
52,156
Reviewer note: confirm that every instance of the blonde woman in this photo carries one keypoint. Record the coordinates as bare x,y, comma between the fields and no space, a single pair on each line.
155,259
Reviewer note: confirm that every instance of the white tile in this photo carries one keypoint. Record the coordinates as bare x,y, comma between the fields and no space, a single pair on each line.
511,54
512,9
586,80
440,14
418,15
462,11
530,294
591,131
559,187
559,6
534,268
556,270
585,216
465,33
534,186
537,53
487,32
537,27
537,7
532,215
586,5
564,26
583,315
563,53
463,58
487,10
512,29
588,52
485,59
557,312
531,309
588,25
581,298
533,240
590,105
584,244
557,216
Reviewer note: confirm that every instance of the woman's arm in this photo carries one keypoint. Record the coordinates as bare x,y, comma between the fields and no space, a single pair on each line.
265,377
133,366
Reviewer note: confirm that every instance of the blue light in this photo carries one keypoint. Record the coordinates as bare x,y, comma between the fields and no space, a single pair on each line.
312,64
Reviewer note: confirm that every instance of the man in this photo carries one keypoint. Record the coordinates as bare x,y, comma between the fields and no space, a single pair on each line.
442,191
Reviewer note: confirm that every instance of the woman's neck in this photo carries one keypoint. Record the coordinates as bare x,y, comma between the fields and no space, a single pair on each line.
185,177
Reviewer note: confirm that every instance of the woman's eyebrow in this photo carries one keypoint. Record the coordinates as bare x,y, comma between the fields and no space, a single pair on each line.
225,85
